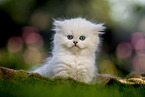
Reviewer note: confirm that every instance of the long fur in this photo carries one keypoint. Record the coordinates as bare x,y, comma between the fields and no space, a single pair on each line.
77,62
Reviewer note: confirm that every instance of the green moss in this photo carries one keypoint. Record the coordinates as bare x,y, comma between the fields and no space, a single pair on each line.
23,84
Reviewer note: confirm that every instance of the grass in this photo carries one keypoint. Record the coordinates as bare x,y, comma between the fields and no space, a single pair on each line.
66,88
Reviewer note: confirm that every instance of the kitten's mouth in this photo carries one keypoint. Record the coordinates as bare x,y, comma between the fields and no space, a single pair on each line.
76,46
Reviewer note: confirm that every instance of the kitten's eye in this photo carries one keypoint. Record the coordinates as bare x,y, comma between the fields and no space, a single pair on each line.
70,37
82,38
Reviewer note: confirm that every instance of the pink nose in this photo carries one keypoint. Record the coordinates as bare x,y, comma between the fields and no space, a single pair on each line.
75,42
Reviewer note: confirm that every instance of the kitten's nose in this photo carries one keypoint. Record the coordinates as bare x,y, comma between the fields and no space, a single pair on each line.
75,42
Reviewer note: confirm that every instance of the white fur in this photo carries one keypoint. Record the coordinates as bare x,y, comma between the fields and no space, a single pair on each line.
70,61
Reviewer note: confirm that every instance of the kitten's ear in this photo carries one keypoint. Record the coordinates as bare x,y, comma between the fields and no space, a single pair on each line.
57,25
100,28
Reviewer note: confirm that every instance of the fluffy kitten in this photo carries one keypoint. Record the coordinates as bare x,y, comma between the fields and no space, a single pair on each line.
75,43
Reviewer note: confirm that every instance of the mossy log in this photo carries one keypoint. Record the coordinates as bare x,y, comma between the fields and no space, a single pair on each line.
7,74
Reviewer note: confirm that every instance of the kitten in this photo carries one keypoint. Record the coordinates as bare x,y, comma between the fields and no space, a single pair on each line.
75,43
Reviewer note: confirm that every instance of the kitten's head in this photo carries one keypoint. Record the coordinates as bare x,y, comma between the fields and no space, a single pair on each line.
77,33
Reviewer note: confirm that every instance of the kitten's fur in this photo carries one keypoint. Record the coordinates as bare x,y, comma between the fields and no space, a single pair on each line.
68,60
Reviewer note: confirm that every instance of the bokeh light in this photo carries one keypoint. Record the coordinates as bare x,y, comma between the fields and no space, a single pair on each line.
32,38
34,41
15,44
138,63
140,44
124,50
32,57
138,40
40,19
29,29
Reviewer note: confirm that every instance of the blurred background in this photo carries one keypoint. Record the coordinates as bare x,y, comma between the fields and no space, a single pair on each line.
26,36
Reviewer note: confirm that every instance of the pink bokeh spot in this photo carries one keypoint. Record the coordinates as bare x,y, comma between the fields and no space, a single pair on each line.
124,50
137,40
140,44
15,44
32,57
138,63
32,38
34,41
29,29
140,52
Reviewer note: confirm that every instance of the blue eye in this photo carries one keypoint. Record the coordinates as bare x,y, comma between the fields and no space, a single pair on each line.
82,38
70,37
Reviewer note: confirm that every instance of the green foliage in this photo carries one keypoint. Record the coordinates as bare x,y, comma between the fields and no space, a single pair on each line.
16,60
66,88
19,10
12,60
22,84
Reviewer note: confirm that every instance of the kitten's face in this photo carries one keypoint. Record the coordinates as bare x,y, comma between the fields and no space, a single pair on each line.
76,34
76,42
71,41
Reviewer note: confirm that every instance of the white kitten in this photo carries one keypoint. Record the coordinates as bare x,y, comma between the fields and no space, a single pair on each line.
75,43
